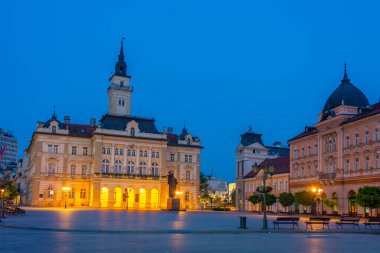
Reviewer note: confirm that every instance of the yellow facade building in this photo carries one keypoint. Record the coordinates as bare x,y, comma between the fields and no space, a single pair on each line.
120,162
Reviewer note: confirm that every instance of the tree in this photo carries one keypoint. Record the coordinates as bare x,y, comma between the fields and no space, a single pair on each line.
369,196
304,198
286,199
233,197
254,199
205,190
10,190
328,202
270,199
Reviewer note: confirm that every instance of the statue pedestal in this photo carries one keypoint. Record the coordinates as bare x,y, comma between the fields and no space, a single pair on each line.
173,204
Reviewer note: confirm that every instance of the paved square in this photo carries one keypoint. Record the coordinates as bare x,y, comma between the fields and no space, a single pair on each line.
120,231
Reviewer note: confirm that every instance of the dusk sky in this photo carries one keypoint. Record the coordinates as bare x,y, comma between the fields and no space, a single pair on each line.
218,65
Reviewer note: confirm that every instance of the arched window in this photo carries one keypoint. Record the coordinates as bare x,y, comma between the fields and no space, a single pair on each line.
145,153
131,167
116,151
52,168
133,152
72,169
132,131
105,166
82,193
129,152
50,192
142,168
158,154
109,151
141,153
187,175
84,169
118,167
121,152
54,129
103,150
153,154
155,171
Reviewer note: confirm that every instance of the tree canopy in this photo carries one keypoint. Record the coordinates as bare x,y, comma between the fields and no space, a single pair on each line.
369,196
304,198
286,199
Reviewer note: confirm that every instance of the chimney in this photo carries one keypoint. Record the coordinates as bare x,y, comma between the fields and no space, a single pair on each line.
92,122
66,120
170,130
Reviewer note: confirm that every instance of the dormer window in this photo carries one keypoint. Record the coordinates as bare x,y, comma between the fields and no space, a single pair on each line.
132,131
54,129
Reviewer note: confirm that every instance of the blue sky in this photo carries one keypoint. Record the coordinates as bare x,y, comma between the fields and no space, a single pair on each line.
218,65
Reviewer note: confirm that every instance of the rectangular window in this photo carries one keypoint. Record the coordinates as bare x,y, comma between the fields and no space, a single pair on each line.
367,163
274,186
376,136
347,142
55,149
308,171
186,158
356,165
309,151
172,157
356,139
366,137
73,150
376,161
85,151
190,158
285,185
347,166
50,148
316,150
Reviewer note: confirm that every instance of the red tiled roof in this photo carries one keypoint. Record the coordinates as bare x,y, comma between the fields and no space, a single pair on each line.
281,164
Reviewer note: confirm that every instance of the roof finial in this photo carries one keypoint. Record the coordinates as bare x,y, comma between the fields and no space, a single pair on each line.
121,55
345,76
54,116
184,126
121,66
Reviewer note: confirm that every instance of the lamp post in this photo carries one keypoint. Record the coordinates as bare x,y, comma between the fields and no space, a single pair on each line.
317,192
66,190
268,170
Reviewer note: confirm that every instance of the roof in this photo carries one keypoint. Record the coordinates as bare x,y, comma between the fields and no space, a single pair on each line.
308,131
79,130
366,112
174,138
281,164
249,138
113,122
347,94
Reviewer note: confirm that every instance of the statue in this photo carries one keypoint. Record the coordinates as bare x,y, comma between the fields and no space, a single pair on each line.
172,184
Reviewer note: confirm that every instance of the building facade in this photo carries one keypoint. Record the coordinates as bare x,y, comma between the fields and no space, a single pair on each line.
251,152
8,150
279,181
340,153
121,162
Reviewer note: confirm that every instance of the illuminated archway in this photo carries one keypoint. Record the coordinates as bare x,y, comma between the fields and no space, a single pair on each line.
154,198
104,197
118,196
142,198
131,198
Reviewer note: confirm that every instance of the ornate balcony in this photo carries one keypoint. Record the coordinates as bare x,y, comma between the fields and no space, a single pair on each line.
327,176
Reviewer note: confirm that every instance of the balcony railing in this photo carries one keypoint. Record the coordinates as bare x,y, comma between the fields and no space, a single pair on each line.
128,176
327,176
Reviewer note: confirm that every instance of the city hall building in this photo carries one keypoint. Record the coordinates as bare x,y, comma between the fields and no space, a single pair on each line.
340,153
120,162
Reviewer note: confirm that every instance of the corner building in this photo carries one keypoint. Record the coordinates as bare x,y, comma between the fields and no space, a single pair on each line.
121,162
341,152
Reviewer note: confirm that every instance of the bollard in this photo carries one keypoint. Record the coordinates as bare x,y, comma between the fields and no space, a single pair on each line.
243,222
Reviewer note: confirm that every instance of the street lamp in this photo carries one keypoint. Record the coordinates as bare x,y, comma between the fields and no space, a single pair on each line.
318,195
268,170
66,190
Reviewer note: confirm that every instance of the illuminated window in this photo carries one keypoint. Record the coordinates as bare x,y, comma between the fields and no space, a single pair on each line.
50,192
187,196
71,194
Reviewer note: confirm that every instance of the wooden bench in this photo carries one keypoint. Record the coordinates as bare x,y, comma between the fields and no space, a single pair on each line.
286,220
318,221
354,221
372,221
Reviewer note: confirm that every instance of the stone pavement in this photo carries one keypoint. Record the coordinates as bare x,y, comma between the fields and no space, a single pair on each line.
133,231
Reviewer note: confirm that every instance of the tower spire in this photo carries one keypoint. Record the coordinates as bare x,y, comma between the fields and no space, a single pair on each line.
54,116
345,76
121,66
